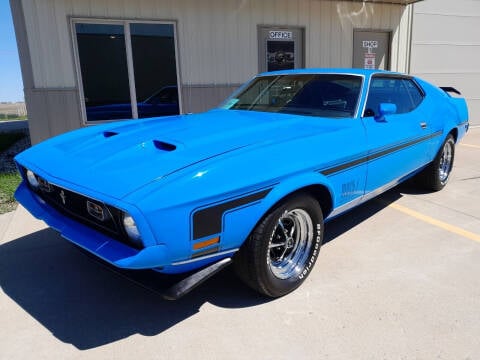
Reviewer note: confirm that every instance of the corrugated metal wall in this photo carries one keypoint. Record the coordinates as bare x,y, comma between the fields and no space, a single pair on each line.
217,41
446,47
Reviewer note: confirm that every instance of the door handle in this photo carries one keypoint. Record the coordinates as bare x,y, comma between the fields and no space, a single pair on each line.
423,125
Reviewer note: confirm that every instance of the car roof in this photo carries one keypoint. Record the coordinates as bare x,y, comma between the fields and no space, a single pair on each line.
345,71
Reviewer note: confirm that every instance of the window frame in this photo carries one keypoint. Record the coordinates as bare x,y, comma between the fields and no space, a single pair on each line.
129,57
358,107
307,79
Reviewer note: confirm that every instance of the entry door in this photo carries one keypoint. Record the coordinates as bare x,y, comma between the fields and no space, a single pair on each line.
280,48
371,49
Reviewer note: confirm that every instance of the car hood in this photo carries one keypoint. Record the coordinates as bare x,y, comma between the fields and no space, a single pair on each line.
118,158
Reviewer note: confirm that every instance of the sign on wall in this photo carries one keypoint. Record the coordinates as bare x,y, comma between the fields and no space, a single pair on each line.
280,35
370,56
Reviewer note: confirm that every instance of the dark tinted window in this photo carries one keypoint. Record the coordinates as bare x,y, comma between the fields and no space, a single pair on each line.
103,65
415,94
168,95
154,64
401,92
104,70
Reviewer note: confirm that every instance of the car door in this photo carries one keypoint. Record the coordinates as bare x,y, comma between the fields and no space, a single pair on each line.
397,143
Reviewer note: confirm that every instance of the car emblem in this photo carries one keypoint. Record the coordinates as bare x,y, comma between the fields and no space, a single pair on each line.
95,210
44,185
63,197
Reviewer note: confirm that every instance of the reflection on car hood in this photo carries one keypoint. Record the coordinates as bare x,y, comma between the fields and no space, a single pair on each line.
118,158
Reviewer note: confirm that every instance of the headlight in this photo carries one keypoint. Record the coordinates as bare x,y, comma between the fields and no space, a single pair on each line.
131,229
32,179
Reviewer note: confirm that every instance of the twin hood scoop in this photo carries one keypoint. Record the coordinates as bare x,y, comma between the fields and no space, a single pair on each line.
160,145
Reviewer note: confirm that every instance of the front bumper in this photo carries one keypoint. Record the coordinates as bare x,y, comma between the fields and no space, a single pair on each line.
101,245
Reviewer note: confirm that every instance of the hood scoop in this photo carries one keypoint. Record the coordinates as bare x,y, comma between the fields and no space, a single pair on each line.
108,134
164,146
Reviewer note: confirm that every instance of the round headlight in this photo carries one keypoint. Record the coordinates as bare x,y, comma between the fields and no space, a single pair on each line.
131,229
32,179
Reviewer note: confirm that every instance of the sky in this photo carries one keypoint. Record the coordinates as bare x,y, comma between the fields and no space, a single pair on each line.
11,88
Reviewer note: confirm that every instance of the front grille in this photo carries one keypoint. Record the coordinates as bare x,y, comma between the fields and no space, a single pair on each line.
102,217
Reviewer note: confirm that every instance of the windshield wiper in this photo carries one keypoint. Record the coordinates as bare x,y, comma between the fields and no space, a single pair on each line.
296,111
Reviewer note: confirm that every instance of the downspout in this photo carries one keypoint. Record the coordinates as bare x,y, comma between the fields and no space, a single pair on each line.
410,38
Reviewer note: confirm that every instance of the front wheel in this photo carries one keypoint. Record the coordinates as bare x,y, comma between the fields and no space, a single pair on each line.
435,176
282,249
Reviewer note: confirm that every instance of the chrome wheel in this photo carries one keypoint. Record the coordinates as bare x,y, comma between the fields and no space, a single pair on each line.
435,175
290,243
281,251
446,162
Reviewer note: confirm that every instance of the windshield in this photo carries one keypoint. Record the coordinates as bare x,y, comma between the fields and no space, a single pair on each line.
323,95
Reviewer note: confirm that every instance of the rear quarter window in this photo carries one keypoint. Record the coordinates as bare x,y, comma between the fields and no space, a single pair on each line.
416,95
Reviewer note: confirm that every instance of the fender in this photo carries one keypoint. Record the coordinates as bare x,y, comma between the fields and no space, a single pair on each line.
238,223
293,184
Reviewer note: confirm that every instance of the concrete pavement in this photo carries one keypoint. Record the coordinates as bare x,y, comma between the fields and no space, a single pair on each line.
5,220
396,279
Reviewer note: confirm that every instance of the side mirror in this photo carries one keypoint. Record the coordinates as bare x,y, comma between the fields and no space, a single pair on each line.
385,109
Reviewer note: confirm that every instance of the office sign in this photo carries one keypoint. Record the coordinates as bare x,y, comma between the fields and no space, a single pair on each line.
280,35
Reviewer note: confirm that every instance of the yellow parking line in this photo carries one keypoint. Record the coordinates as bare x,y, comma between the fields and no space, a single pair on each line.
451,228
470,145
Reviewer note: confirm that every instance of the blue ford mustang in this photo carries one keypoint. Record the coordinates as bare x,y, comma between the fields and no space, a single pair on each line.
252,181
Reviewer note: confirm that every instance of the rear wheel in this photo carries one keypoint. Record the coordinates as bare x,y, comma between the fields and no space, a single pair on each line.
282,249
435,176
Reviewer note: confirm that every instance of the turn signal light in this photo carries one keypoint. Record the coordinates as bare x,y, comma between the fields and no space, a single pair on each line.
205,243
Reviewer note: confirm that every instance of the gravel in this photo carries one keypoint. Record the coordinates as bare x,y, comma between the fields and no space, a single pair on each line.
7,165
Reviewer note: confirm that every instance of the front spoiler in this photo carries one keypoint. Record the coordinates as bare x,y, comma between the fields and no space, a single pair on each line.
104,247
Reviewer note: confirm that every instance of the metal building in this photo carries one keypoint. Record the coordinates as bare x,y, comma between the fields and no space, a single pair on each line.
446,47
85,62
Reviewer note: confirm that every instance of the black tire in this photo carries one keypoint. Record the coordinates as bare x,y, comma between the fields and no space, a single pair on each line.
282,249
435,176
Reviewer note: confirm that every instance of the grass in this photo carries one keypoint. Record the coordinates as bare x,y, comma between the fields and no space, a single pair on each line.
8,117
8,184
7,139
8,181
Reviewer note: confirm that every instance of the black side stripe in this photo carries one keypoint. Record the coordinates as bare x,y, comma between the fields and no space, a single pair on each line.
208,221
341,167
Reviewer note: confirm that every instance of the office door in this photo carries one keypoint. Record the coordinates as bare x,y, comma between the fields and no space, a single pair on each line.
280,48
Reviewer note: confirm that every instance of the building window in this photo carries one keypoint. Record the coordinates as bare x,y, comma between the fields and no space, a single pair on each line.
127,69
